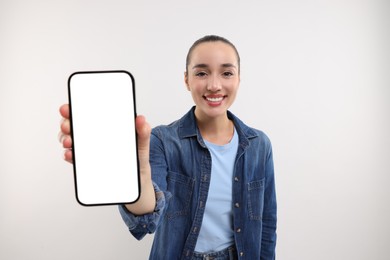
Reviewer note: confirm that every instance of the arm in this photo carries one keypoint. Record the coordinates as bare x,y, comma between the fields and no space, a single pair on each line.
147,201
141,224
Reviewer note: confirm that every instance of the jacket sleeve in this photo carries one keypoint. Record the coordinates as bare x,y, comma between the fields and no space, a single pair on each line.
139,226
268,242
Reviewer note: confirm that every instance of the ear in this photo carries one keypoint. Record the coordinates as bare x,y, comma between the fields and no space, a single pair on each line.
186,80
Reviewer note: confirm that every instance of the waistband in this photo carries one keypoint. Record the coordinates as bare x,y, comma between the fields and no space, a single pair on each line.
229,253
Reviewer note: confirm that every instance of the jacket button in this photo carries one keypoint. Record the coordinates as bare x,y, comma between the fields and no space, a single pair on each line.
238,230
241,253
235,178
237,205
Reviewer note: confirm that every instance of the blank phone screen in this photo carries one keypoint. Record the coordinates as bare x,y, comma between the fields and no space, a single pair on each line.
102,115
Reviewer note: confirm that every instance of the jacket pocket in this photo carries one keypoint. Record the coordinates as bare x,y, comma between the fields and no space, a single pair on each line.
181,187
256,199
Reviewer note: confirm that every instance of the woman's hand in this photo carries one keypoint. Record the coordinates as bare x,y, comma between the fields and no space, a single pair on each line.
64,135
147,201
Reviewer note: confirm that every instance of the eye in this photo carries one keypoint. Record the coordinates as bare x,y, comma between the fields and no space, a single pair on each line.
227,74
201,74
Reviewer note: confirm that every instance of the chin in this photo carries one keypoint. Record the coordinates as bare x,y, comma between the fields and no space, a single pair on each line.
213,112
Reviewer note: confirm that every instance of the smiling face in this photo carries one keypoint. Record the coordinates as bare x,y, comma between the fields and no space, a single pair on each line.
213,78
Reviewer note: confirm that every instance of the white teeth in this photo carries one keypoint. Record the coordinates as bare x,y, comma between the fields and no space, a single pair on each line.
218,99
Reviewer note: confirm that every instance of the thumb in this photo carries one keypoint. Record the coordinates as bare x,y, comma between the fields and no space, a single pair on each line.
143,138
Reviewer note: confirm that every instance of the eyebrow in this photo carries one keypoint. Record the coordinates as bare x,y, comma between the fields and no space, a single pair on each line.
224,65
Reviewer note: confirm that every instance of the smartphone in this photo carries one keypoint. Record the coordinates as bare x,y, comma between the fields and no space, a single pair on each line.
102,117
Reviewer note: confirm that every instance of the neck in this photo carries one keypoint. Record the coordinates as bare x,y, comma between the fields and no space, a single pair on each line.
218,130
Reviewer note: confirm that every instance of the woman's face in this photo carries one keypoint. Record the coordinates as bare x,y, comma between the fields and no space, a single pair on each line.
213,78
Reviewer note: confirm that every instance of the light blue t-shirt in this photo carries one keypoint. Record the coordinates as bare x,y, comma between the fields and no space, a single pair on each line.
216,232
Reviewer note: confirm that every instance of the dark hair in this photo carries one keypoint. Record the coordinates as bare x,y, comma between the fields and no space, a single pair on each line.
211,38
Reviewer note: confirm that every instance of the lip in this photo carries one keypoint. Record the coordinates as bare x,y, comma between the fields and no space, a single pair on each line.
214,100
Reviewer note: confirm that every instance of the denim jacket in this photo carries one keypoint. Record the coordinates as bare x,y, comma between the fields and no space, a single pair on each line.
181,168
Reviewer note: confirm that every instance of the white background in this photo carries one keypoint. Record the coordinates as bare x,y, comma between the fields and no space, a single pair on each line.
315,78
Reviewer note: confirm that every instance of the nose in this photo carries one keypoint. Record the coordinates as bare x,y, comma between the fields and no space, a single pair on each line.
214,84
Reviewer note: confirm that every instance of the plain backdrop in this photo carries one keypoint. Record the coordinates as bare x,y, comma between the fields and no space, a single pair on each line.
314,77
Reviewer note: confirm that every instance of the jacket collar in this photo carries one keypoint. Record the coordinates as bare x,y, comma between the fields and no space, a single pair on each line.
189,128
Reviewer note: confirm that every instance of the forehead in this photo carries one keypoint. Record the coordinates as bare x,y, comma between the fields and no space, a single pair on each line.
213,52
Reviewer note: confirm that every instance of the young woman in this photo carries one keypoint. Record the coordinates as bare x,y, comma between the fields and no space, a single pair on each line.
207,179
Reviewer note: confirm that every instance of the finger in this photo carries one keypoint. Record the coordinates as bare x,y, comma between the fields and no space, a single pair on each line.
143,131
143,128
60,137
68,156
65,126
64,111
67,142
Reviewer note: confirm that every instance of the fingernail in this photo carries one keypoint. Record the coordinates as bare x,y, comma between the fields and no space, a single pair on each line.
60,137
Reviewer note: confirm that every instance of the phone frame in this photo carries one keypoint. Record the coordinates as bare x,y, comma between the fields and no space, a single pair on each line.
74,149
